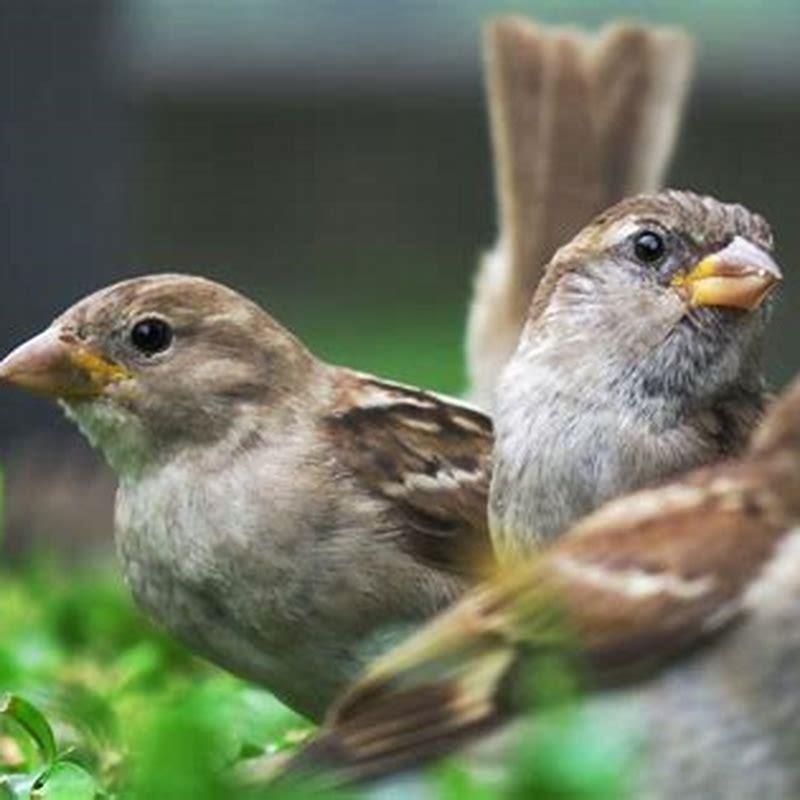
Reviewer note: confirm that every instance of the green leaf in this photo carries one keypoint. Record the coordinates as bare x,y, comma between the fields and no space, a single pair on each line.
27,716
453,781
572,753
65,781
16,787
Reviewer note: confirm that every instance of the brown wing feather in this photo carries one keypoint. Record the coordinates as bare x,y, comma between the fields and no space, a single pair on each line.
428,460
642,589
640,581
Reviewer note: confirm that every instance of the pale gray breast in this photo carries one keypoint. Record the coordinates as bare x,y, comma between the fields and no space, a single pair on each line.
169,526
268,570
197,558
566,444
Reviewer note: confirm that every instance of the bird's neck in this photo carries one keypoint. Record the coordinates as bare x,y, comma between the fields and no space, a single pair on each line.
118,434
576,427
135,444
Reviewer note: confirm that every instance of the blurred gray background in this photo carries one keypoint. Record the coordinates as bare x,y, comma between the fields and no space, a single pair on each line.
329,158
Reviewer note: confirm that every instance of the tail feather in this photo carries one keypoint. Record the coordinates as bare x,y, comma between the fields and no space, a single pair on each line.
403,729
421,701
639,78
577,122
539,107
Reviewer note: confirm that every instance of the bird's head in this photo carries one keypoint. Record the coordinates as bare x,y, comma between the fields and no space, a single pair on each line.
674,283
157,362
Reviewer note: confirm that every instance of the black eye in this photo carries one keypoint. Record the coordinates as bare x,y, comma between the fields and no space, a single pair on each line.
649,247
151,335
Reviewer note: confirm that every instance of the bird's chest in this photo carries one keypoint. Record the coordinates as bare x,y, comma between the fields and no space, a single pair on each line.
194,555
171,533
232,570
570,448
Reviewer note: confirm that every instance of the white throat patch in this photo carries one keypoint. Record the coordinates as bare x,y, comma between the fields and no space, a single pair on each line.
115,432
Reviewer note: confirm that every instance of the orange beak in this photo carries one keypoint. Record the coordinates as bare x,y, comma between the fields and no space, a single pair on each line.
740,275
56,365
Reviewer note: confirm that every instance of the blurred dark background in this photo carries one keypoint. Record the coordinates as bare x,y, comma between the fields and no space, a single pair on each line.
330,159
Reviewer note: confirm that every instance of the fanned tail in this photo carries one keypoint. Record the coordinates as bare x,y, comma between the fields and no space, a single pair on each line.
578,122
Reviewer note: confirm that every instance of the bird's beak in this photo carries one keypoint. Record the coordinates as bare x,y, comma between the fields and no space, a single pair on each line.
56,364
740,275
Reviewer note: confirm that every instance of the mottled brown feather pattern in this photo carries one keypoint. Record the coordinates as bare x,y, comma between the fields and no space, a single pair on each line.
428,459
639,582
691,541
417,725
710,222
284,517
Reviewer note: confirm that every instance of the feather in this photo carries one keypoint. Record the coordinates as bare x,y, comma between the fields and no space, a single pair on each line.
577,122
427,459
627,591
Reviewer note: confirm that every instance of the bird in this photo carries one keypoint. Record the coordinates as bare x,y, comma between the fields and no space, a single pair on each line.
283,517
290,520
578,122
640,359
680,607
403,532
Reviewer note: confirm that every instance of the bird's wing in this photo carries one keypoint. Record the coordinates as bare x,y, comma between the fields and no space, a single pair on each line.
427,458
655,573
578,122
636,584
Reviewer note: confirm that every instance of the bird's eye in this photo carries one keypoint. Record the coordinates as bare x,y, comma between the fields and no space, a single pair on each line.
151,335
649,247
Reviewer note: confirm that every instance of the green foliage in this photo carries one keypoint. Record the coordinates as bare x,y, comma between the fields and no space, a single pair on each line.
99,704
18,710
89,683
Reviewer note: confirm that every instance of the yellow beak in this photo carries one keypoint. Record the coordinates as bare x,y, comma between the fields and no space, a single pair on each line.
740,275
55,364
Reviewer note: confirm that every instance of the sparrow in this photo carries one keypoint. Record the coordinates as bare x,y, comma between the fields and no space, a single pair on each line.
640,359
283,517
253,478
578,122
681,606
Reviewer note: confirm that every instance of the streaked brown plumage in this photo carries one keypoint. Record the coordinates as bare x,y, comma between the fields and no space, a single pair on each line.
696,583
378,490
426,459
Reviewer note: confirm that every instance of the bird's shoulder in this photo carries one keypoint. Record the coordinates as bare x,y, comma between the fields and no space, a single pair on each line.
426,457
